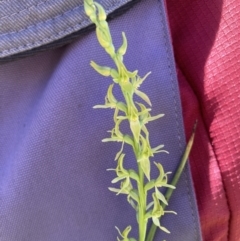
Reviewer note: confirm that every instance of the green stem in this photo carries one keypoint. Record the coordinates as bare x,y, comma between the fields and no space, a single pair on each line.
152,231
142,223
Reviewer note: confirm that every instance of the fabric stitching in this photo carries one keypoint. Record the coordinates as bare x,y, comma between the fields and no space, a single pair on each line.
62,32
43,22
176,115
28,9
44,39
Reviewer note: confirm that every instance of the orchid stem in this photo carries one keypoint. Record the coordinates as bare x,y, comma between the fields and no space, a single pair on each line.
152,231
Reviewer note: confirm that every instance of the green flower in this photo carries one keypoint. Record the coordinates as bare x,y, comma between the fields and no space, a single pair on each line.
125,233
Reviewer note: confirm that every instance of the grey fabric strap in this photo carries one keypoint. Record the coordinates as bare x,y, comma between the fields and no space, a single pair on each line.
59,42
53,179
25,25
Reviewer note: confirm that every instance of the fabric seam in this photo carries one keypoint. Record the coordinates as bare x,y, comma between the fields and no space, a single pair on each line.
19,12
43,22
62,32
176,115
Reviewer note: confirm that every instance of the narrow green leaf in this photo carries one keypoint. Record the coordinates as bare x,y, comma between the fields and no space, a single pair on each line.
119,153
101,107
117,191
117,179
169,186
161,172
115,115
113,139
143,96
152,118
164,229
160,196
126,231
161,151
157,148
122,50
146,167
117,130
110,95
120,117
141,80
170,212
156,221
119,232
131,202
103,70
112,189
120,169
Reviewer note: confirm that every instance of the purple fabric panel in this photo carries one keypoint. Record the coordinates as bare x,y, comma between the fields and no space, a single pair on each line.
53,179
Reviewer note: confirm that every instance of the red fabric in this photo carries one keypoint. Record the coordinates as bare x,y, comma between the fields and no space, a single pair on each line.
206,37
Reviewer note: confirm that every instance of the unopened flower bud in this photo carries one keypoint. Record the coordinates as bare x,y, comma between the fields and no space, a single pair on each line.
102,38
122,50
101,12
89,8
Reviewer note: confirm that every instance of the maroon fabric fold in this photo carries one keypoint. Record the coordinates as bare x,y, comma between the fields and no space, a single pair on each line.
206,44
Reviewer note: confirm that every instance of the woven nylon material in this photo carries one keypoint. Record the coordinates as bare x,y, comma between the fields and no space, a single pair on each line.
53,179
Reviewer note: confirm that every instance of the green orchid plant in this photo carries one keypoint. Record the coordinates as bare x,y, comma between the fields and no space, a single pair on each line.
138,116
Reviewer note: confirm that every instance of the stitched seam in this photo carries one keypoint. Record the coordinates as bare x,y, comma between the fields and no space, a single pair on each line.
44,22
176,118
25,9
62,32
34,44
